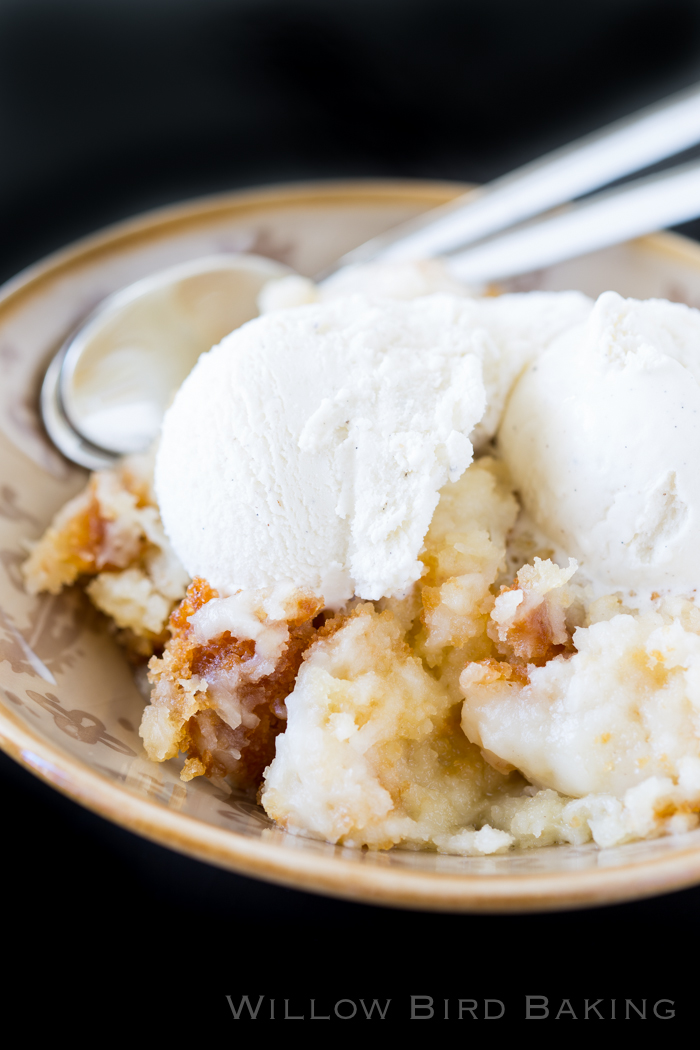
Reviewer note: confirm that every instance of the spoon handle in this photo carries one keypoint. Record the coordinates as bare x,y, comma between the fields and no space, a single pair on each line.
610,217
626,146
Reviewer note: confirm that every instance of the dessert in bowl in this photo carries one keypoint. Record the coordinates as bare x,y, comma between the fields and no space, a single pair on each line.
385,595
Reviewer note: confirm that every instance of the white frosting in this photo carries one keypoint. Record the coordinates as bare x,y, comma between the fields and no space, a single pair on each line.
602,437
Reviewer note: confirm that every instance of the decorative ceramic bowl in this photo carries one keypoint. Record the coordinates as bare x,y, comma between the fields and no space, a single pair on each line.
69,708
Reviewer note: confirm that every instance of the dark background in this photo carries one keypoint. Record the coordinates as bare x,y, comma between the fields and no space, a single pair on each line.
110,107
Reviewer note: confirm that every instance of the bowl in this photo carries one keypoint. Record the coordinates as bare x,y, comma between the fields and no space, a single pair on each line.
69,705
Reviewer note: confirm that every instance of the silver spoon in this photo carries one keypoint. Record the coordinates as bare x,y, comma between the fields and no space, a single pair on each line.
106,390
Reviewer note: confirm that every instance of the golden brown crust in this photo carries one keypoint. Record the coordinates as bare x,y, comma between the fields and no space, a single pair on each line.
529,639
215,748
493,670
110,539
78,542
264,698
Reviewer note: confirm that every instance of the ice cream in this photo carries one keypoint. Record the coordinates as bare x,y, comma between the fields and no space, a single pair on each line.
310,446
408,280
509,331
602,438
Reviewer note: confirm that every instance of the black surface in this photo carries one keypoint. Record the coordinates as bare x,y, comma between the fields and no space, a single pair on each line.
109,107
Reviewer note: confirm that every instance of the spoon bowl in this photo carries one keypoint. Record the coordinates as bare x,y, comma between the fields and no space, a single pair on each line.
106,390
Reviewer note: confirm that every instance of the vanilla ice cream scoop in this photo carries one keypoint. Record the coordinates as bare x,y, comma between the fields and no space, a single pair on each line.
309,447
602,438
508,331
